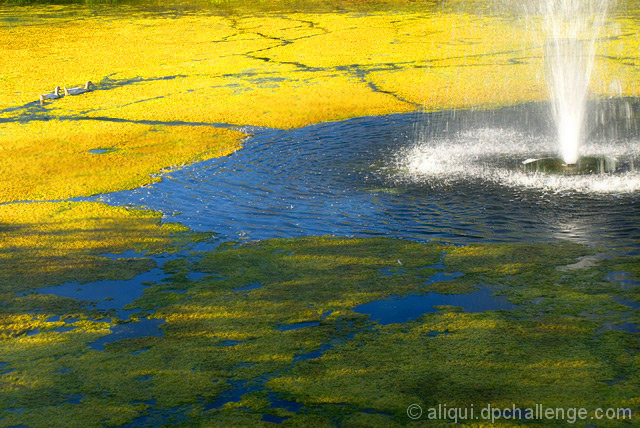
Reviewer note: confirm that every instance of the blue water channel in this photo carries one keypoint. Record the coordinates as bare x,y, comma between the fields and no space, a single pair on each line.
343,178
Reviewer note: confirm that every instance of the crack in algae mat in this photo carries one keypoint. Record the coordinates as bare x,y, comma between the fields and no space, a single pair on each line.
209,333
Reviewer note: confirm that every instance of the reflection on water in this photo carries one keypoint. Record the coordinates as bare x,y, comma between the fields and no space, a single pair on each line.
107,294
354,178
396,309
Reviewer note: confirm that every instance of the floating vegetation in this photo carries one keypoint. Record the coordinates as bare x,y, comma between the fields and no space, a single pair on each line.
52,159
45,244
214,355
271,332
274,70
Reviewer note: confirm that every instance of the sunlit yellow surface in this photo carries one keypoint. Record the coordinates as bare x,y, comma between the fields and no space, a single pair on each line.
183,74
54,159
203,66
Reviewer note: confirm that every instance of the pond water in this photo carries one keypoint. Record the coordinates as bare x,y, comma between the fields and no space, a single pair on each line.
400,309
143,327
107,294
453,176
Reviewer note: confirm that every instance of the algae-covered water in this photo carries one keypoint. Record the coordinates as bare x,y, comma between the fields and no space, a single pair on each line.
309,214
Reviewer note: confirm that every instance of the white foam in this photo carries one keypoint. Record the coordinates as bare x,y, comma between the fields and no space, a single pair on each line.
496,155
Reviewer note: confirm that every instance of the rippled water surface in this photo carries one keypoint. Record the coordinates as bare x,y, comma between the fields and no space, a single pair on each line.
448,176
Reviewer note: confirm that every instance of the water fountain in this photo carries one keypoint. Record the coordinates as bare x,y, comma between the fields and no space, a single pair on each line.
505,174
572,28
573,142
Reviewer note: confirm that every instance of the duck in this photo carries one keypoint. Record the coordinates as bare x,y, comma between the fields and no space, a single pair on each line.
79,90
51,96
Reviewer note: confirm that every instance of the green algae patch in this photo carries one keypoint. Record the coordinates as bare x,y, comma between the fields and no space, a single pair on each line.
269,332
553,350
475,359
49,243
44,338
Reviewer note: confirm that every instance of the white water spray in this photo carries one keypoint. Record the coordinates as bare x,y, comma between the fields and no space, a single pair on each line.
572,28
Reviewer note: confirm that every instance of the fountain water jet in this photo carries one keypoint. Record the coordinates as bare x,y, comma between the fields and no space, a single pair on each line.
572,28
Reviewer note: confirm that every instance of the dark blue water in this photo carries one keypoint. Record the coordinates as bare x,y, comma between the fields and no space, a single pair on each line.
396,309
340,178
287,327
108,294
252,286
141,328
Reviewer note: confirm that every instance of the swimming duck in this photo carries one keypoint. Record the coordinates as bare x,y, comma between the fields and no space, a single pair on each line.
77,91
51,96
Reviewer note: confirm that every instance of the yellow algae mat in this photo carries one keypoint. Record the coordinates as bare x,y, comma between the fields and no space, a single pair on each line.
165,81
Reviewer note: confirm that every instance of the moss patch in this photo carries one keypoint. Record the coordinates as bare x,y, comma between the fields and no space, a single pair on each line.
47,244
